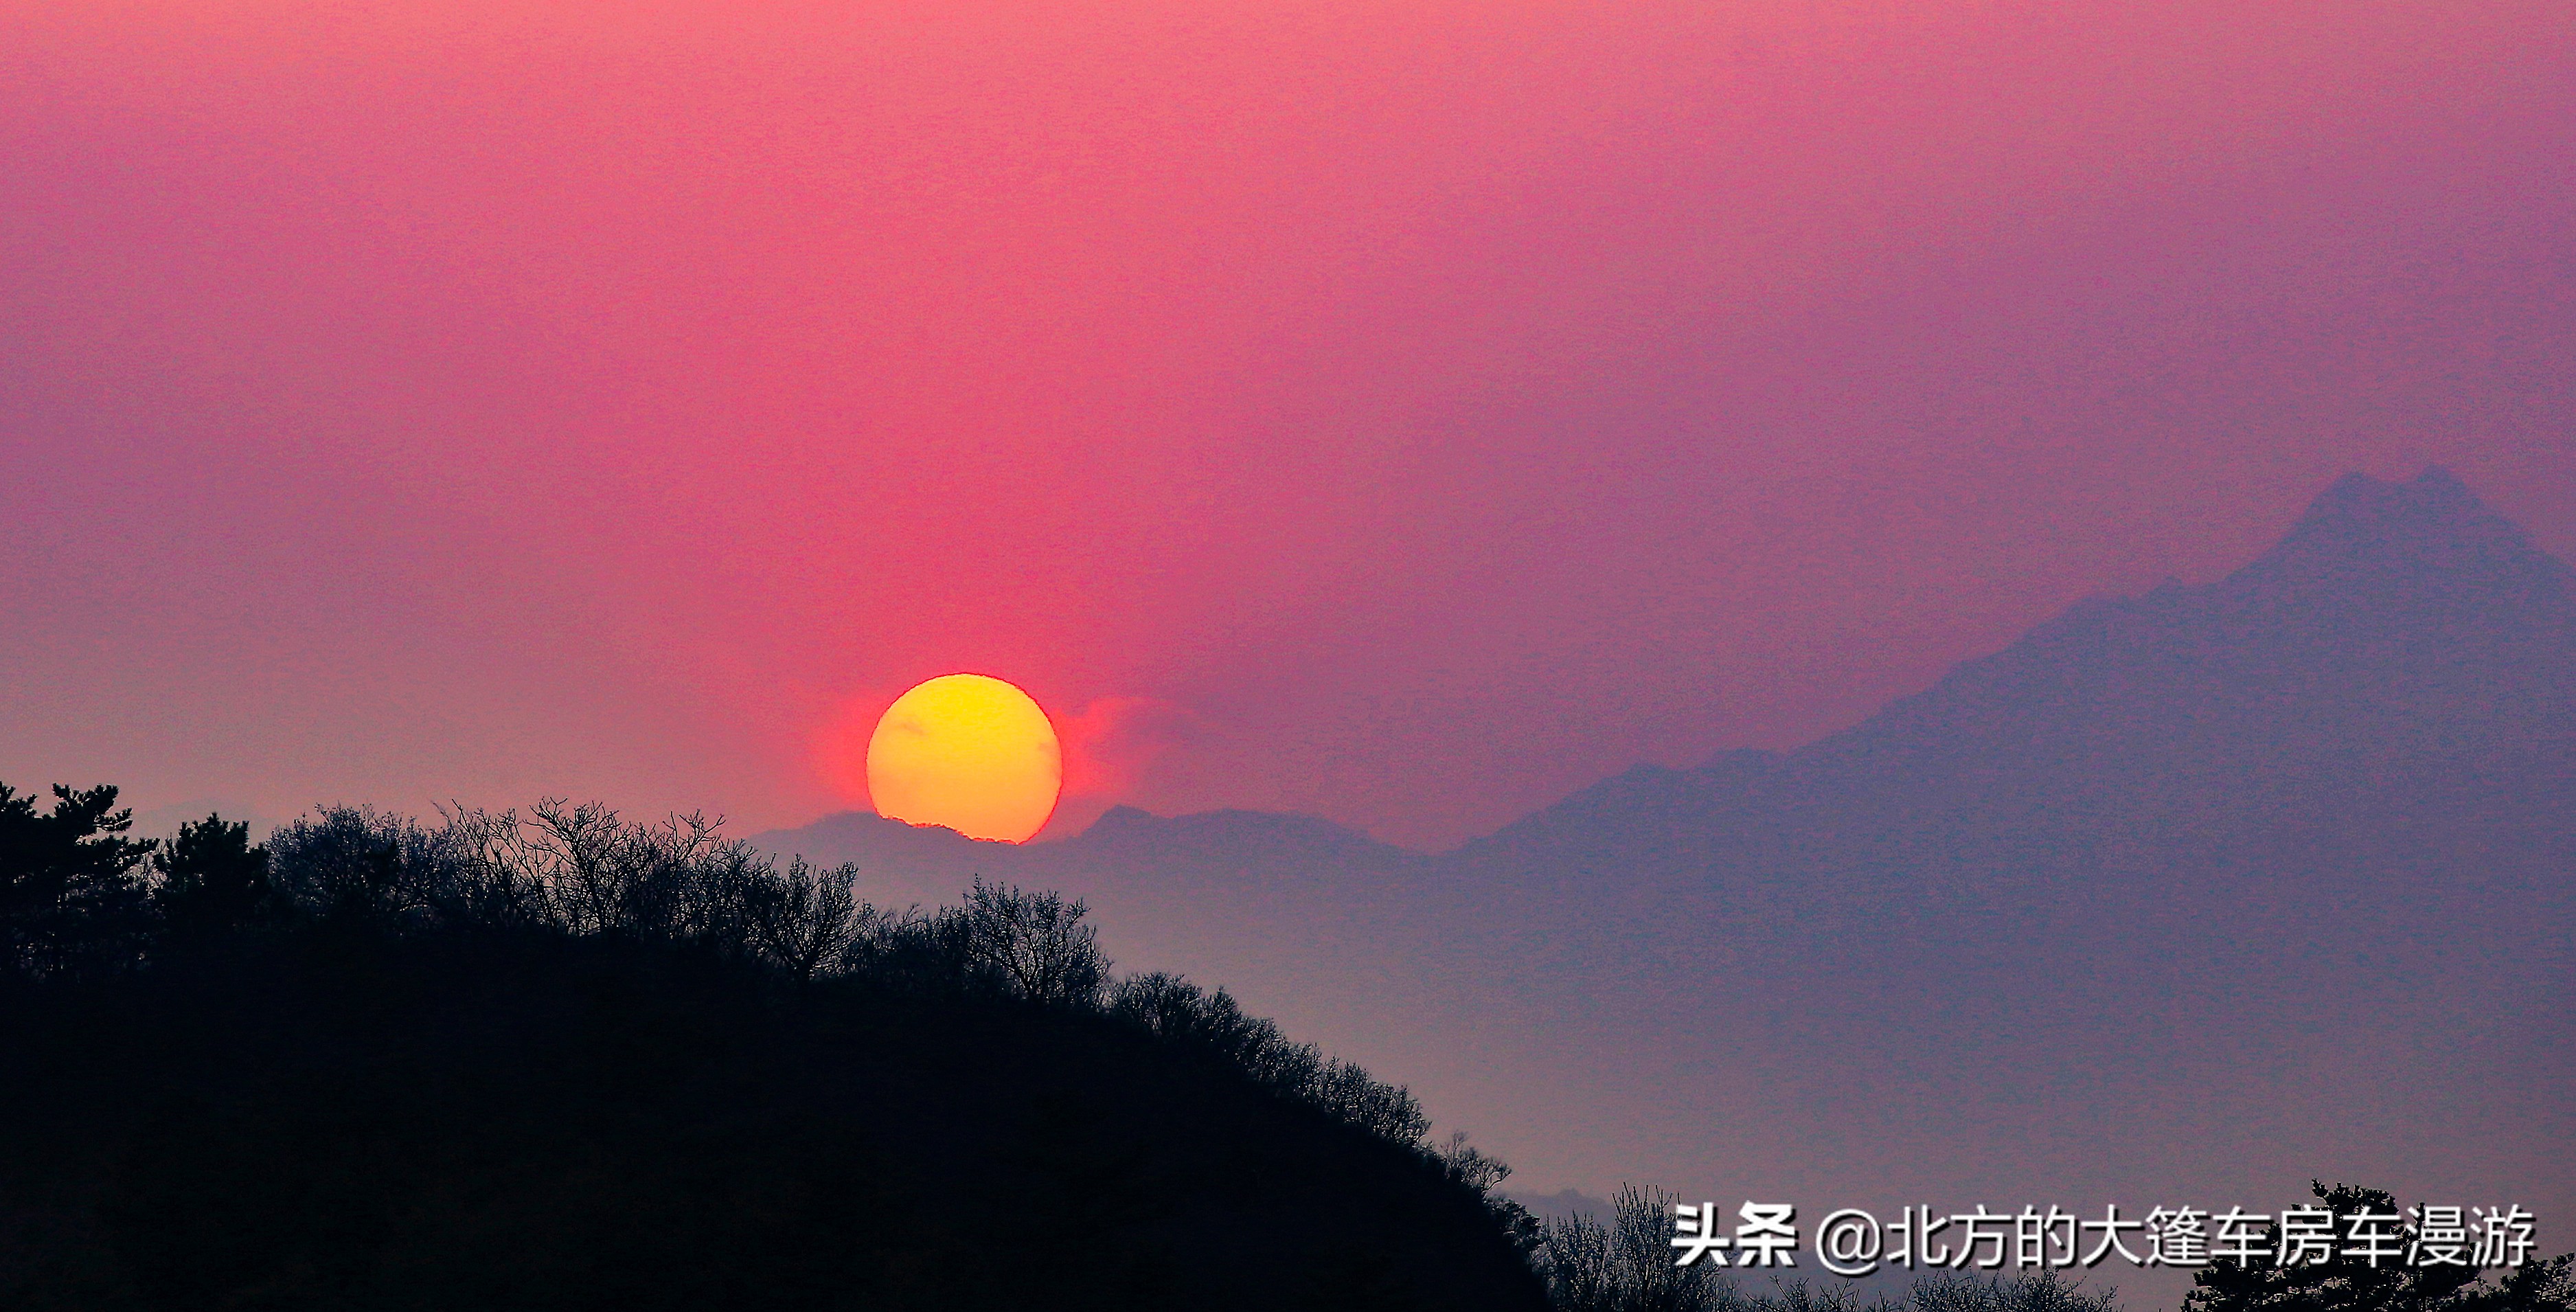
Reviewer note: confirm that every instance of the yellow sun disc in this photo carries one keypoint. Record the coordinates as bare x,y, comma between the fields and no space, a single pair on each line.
970,752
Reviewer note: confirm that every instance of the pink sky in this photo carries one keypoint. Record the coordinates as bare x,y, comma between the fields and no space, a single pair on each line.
1401,412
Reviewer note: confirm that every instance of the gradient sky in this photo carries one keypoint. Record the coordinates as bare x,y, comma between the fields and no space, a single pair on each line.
1404,412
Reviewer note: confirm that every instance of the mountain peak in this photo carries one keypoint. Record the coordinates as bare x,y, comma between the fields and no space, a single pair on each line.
1121,818
2432,528
2411,598
2434,499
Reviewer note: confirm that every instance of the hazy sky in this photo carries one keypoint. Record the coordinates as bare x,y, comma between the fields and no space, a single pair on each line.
1405,412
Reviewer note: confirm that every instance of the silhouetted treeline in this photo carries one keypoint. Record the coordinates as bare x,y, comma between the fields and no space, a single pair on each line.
84,897
581,870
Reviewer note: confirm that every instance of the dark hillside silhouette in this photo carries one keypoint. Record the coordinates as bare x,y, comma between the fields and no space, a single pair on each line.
564,1061
339,1120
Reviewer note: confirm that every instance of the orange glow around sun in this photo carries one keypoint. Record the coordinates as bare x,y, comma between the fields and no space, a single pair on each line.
970,752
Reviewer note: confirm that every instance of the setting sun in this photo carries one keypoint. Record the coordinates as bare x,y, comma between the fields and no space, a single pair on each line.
970,752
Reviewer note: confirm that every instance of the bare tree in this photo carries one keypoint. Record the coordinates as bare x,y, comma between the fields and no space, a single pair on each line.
1035,944
805,919
1626,1264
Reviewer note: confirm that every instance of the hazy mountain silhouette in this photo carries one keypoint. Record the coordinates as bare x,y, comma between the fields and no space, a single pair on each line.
2272,869
2200,891
1245,842
1296,893
2401,666
894,852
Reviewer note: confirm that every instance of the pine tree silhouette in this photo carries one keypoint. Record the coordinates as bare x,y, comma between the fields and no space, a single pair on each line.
212,878
70,892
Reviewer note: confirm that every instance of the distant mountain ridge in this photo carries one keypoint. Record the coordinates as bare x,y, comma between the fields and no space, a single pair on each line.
2393,624
1244,841
2409,593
